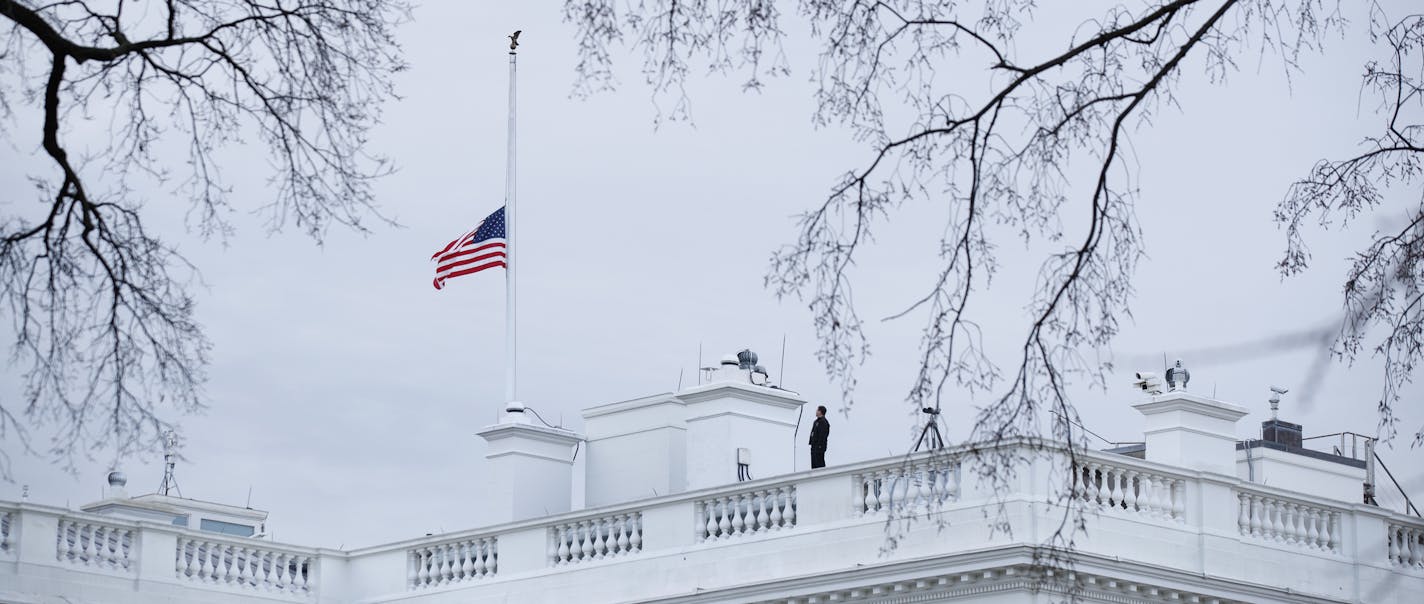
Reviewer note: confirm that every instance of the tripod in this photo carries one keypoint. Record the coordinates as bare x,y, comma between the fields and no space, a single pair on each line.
931,430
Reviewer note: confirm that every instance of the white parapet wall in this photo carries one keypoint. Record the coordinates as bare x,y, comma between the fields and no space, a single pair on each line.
915,528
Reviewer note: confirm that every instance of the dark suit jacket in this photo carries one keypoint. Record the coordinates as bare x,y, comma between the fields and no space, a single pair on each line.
819,432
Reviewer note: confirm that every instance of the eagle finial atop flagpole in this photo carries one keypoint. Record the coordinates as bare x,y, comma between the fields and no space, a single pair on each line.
514,40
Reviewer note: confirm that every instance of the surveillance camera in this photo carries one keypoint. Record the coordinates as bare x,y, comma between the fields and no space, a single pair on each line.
1147,381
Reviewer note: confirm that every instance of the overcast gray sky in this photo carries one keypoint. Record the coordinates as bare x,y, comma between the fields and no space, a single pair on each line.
345,391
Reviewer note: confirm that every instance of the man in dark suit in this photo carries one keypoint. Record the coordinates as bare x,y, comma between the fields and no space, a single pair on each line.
820,431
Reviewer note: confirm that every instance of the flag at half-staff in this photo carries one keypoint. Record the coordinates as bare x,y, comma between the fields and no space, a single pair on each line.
485,247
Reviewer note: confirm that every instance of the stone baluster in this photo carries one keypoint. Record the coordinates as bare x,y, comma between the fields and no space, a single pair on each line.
587,534
422,570
1115,495
1258,511
789,517
763,510
1132,490
918,494
724,523
1097,484
302,572
737,524
192,566
872,494
1278,522
1243,517
710,508
477,563
1416,547
1179,500
243,560
206,571
1333,524
600,538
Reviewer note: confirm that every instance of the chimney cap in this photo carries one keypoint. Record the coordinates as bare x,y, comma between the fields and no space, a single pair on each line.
729,359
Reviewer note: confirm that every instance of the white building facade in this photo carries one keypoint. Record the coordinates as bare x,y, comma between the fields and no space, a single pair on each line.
1190,516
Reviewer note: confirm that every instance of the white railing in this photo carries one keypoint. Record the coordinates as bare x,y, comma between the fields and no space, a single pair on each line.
452,562
96,545
1288,522
1122,488
800,512
1406,546
744,513
243,565
909,487
596,538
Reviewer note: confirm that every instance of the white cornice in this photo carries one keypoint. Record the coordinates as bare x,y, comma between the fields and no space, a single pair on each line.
1181,401
758,394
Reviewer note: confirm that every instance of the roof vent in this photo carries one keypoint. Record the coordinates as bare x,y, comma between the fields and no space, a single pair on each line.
729,360
746,359
117,479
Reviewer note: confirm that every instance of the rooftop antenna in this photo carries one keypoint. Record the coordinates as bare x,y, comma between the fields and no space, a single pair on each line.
679,380
249,497
699,363
170,460
781,371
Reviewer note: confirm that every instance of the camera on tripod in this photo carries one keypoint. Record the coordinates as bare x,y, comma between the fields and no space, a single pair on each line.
930,435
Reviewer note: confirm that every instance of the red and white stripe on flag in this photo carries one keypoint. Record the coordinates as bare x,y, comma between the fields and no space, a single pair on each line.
485,247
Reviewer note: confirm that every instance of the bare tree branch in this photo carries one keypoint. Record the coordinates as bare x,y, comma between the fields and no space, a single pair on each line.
104,323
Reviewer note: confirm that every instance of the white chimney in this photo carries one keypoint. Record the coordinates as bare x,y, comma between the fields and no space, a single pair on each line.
733,412
531,468
636,449
1191,431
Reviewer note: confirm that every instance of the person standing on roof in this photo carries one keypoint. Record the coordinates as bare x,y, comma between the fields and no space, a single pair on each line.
820,431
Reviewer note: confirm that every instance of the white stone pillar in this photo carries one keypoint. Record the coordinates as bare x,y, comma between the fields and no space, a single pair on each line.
1191,432
155,550
32,534
531,470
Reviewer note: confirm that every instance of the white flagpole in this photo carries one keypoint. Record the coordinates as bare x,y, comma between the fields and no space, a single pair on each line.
511,384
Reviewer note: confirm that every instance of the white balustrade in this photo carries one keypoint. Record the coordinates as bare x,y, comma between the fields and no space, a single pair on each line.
1288,522
1406,546
910,487
596,538
1110,487
248,565
757,511
95,545
452,562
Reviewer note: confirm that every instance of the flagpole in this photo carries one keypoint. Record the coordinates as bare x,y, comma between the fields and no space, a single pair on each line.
511,384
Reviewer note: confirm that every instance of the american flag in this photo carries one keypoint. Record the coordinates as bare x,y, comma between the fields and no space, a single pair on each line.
477,250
